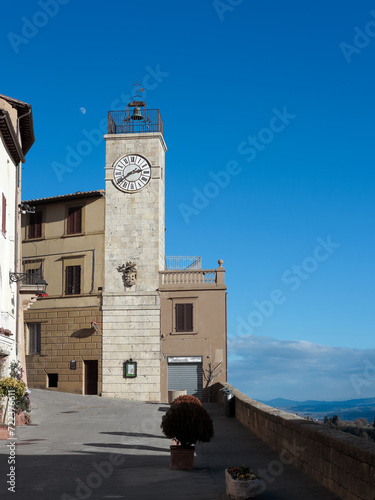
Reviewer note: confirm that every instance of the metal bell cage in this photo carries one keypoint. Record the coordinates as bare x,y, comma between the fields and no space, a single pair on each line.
135,119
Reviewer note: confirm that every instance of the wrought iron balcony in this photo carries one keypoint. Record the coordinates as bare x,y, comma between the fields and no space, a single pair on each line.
135,120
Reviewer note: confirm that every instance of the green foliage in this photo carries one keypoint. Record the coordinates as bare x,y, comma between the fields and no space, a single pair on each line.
367,433
188,423
12,387
22,404
15,370
335,420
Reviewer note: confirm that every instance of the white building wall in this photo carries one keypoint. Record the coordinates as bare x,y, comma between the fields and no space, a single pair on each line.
8,292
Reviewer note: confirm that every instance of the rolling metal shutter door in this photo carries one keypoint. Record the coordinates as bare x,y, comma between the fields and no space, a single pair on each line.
187,376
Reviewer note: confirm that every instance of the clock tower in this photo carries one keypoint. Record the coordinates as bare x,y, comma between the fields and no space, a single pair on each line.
134,252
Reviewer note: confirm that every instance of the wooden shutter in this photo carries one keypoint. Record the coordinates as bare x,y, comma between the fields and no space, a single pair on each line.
38,338
74,223
34,338
72,280
184,317
31,339
35,226
4,215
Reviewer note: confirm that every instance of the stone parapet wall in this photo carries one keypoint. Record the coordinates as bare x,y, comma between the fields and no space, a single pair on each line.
341,462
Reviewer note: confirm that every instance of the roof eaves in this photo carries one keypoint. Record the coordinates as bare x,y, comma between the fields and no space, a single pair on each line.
24,113
77,195
10,138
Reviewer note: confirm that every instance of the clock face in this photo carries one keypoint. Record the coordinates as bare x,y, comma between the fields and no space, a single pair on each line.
131,173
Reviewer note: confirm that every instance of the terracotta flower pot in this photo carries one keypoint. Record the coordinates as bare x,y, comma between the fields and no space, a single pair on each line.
182,458
4,433
19,418
242,489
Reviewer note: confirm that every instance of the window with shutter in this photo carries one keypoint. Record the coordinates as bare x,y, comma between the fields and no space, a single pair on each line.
35,226
74,222
34,338
184,317
4,215
72,280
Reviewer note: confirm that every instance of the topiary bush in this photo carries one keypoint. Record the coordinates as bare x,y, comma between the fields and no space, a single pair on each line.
186,398
188,423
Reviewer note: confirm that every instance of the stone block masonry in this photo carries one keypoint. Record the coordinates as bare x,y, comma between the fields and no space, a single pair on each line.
131,331
134,231
58,347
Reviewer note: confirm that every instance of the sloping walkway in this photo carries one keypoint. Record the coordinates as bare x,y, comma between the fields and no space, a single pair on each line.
87,447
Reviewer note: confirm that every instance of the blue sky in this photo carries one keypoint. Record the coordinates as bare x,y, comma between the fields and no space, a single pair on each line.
269,112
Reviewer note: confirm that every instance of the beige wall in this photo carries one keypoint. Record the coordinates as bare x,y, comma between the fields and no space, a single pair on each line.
61,315
209,324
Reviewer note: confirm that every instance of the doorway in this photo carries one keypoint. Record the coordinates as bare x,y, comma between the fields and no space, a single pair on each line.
91,377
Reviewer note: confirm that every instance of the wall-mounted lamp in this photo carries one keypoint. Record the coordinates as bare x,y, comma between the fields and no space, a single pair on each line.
73,364
26,209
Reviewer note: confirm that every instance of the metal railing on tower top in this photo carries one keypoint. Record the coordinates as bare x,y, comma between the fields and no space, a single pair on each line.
135,121
182,263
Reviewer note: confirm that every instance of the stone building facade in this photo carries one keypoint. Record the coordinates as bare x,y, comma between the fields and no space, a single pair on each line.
65,240
168,325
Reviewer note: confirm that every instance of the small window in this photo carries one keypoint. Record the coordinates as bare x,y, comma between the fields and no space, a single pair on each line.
184,317
34,338
53,379
4,215
74,221
35,225
72,280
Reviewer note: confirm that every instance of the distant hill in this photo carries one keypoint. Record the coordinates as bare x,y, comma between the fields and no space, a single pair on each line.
345,410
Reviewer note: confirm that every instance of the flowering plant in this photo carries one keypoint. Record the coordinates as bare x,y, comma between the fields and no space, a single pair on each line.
10,384
6,332
16,370
3,360
41,294
242,473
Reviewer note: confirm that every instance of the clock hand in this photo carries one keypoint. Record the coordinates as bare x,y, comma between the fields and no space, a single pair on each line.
133,172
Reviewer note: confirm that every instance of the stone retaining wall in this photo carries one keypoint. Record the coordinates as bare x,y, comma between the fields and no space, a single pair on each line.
345,464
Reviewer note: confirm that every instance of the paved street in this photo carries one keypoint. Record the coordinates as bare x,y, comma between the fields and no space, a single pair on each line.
81,447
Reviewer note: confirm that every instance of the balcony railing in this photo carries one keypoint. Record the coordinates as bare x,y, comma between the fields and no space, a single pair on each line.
33,271
204,278
182,263
122,122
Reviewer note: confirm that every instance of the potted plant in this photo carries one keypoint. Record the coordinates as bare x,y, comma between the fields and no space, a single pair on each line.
241,483
186,398
22,408
16,390
4,433
188,423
